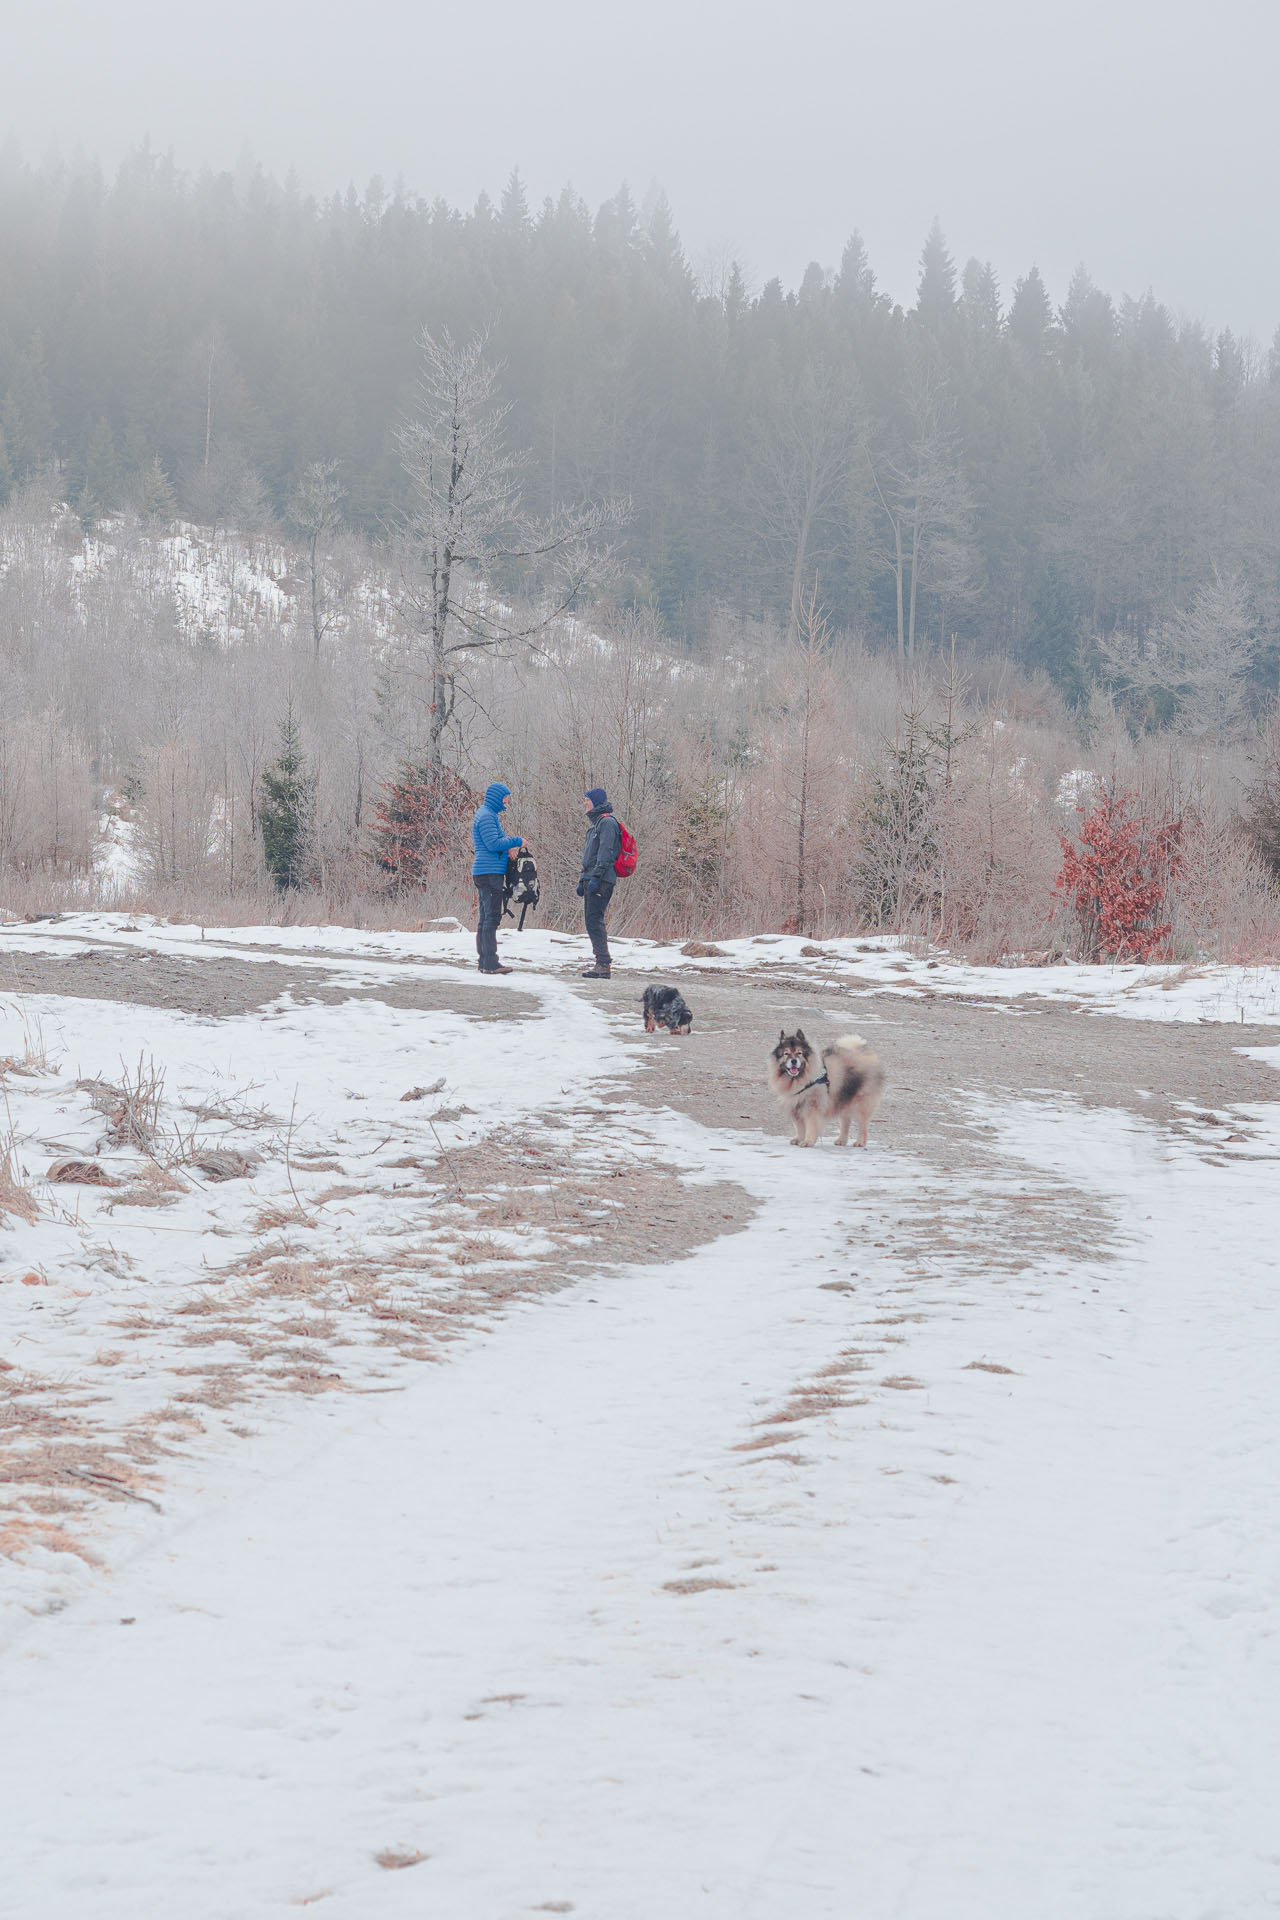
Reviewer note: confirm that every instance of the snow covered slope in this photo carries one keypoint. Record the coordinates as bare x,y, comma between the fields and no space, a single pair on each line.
857,1562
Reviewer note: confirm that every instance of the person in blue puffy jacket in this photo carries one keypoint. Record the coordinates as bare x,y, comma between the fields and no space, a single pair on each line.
493,848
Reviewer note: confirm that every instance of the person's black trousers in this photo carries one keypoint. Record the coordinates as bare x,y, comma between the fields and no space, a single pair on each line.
594,908
489,893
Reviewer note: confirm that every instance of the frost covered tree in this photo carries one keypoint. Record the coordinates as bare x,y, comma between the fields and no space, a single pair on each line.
897,866
315,509
152,497
1202,654
468,533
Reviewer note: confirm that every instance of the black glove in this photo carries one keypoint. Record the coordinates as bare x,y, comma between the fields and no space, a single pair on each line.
582,887
593,884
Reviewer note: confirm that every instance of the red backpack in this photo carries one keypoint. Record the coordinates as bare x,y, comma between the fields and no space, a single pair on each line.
625,864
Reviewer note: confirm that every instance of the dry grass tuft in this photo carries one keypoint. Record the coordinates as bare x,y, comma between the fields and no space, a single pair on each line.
154,1186
234,1110
475,1249
271,1218
221,1163
393,1858
22,1532
293,1277
132,1109
17,1202
696,1585
36,1058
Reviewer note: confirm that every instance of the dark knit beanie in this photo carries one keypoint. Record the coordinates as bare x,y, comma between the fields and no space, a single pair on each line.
598,798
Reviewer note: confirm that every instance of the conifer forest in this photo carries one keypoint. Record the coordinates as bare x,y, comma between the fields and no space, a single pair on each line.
860,609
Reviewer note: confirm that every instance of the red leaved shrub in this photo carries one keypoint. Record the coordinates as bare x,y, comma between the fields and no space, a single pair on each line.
1117,878
420,824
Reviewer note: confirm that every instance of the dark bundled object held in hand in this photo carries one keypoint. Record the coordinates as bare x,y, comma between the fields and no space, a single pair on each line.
665,1007
520,888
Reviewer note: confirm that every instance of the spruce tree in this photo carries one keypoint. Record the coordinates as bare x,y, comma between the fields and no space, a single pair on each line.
99,494
898,866
286,811
151,495
1031,316
936,293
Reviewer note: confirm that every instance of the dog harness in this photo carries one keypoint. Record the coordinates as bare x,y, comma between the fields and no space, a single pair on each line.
821,1081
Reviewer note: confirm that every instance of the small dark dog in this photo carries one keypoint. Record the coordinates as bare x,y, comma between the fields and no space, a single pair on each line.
665,1007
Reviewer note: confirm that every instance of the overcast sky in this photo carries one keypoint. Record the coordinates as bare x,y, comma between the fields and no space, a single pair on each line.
1135,135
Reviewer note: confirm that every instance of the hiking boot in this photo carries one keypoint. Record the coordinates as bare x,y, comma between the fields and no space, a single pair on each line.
495,969
597,972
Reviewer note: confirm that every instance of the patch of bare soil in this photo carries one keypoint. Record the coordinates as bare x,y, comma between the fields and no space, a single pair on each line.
975,1214
941,1053
222,986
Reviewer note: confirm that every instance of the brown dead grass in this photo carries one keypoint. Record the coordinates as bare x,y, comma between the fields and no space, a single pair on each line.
827,1392
21,1532
154,1186
394,1858
17,1202
271,1218
270,1322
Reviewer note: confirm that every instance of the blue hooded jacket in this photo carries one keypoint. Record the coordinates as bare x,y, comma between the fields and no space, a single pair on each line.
491,844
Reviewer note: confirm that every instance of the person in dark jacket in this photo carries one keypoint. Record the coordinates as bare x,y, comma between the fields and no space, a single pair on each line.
604,843
493,848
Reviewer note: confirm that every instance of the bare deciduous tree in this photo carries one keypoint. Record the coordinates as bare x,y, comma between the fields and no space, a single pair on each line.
314,511
468,530
927,510
1203,654
811,641
800,475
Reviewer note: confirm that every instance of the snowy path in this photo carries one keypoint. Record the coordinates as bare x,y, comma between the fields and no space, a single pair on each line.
984,1644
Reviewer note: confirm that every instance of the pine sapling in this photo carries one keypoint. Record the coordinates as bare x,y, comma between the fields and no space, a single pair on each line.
286,811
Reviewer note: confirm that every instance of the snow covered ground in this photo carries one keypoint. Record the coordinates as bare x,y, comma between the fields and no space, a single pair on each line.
870,964
853,1563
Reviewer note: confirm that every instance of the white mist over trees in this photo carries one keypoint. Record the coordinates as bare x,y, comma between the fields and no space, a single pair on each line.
320,516
1024,475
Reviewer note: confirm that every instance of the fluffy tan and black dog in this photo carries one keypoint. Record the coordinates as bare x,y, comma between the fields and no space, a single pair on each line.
847,1080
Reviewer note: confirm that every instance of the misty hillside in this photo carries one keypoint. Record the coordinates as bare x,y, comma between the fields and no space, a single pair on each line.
1035,470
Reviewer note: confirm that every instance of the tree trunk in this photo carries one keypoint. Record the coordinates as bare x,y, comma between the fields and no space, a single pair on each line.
915,570
317,632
